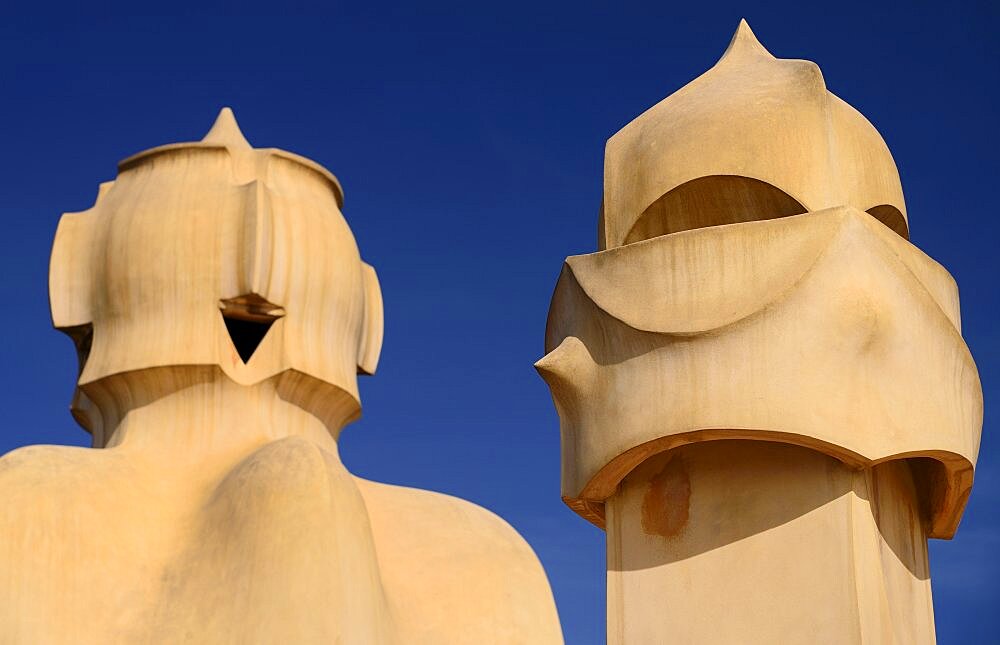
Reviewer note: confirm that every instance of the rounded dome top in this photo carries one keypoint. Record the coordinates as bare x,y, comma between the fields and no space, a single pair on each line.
754,137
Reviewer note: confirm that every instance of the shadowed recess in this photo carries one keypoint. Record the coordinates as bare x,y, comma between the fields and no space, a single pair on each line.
698,498
712,201
83,338
891,217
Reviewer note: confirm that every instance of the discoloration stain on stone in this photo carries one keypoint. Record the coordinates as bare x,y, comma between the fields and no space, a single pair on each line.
665,505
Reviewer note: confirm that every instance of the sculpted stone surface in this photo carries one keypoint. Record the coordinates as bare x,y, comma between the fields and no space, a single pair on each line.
222,311
764,394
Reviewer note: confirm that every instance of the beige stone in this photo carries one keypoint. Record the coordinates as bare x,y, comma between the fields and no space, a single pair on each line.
215,508
764,394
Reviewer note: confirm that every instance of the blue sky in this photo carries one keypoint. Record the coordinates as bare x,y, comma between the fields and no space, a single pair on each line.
469,139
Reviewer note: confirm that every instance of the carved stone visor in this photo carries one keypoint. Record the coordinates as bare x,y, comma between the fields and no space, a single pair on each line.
668,341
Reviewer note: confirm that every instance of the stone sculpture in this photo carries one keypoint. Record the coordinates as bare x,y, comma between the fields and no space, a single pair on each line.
765,398
221,312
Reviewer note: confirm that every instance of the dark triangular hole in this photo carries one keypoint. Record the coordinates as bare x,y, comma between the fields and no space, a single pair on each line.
248,319
246,335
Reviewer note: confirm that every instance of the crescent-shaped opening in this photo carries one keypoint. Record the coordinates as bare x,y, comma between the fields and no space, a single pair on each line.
712,201
891,217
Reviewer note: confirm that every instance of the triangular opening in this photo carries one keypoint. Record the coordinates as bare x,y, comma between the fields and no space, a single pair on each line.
248,319
246,335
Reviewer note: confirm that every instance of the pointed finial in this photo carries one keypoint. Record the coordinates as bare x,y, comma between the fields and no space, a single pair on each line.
225,131
745,43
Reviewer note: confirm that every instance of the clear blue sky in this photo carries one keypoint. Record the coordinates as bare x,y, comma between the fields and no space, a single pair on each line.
469,139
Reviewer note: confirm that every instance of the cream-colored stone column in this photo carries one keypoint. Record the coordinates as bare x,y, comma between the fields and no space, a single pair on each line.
739,541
